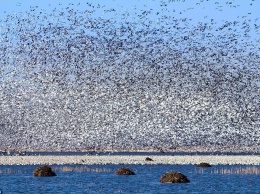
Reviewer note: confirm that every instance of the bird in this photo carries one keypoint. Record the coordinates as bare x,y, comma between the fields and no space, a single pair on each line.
78,80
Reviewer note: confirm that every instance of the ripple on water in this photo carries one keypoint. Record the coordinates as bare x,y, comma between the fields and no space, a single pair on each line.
102,178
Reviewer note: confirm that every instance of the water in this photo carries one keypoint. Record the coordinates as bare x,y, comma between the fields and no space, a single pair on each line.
102,179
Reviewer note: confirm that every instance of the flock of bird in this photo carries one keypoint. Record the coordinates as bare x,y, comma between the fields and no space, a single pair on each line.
74,79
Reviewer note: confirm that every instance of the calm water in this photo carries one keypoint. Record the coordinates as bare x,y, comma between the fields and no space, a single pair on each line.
102,179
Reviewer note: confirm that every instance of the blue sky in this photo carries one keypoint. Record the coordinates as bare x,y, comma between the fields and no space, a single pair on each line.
198,10
205,11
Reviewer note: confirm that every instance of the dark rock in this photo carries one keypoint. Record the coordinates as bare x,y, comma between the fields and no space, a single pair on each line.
161,150
124,171
148,159
43,171
203,164
174,177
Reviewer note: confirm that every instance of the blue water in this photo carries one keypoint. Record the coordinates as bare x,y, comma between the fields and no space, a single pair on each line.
102,179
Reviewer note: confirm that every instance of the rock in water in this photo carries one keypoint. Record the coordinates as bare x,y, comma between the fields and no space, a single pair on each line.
174,177
43,171
124,171
203,164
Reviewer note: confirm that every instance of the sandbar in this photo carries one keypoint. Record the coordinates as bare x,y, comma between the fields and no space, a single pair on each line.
92,160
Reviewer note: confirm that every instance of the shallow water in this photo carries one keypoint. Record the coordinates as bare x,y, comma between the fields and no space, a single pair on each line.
102,179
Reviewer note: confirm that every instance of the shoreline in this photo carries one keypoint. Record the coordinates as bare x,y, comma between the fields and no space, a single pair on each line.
123,160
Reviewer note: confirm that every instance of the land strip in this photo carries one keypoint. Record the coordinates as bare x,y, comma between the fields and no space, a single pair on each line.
90,160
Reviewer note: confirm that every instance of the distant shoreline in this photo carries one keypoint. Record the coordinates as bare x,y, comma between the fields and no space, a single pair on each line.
130,159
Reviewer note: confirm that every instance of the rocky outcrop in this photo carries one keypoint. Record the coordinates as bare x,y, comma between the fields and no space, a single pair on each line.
124,171
148,159
174,177
203,164
43,171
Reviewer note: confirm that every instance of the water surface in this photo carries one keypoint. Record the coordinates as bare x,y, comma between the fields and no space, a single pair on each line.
102,179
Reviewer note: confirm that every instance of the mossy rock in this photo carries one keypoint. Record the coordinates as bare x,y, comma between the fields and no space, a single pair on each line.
43,171
203,164
124,171
174,177
148,159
